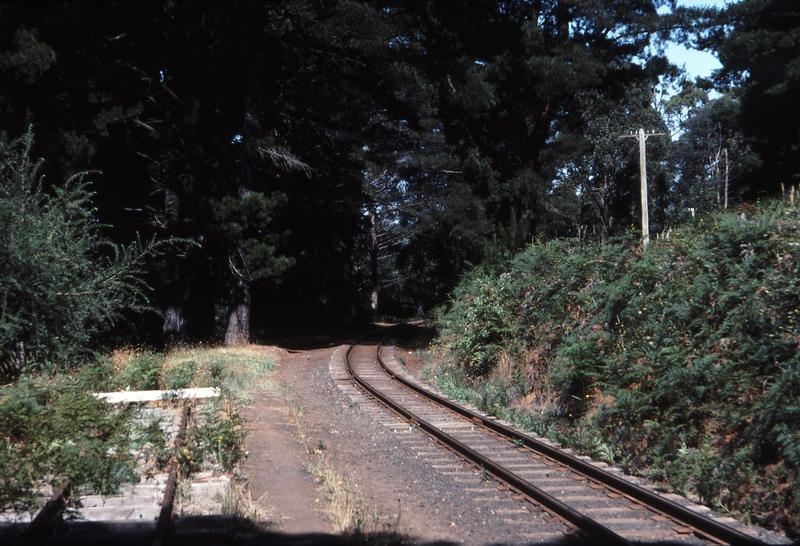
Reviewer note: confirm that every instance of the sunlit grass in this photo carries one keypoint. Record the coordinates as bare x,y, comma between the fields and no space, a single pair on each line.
238,369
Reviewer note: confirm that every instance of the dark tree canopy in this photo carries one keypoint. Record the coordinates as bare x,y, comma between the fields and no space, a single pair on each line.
340,158
759,49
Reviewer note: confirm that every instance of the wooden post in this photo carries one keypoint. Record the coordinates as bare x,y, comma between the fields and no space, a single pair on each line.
642,137
42,524
727,177
643,188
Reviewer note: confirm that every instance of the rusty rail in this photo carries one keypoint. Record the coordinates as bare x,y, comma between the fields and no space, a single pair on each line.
165,525
703,525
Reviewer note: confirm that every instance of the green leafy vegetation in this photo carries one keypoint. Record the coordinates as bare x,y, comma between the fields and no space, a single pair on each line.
215,439
54,429
61,283
679,362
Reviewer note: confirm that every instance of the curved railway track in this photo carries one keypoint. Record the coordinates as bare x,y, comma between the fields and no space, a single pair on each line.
599,505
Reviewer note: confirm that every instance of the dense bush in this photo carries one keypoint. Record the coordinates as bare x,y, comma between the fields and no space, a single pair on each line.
679,361
61,284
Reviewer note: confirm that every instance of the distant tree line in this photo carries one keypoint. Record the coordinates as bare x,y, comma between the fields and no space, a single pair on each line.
345,158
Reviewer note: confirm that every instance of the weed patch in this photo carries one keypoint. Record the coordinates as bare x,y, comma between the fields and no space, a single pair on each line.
344,507
215,439
53,429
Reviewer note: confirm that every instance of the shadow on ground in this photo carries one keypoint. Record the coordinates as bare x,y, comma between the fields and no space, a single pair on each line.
411,336
225,530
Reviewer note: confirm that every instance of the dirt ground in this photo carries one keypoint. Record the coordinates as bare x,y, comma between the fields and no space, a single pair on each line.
412,492
278,461
411,499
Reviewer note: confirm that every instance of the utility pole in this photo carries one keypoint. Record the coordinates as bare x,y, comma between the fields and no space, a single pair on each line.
642,137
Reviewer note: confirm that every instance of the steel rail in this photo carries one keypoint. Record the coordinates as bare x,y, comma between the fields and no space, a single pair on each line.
164,524
703,524
593,529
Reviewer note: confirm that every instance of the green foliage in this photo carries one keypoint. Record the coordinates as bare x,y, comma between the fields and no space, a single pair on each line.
711,152
147,439
56,431
760,51
217,436
596,172
32,58
475,335
61,284
142,373
680,361
182,375
240,227
509,239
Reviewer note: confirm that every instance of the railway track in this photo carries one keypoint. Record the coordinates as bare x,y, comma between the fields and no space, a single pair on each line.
562,492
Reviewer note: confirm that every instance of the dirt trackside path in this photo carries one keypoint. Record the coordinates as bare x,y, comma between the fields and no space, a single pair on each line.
389,481
276,467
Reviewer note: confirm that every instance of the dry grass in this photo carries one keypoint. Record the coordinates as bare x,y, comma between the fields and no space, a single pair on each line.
344,508
240,369
435,361
237,501
343,504
120,358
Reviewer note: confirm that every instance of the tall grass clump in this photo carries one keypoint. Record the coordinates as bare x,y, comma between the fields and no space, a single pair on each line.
345,508
679,362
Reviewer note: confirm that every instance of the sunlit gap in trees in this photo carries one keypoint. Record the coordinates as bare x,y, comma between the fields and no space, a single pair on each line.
695,63
565,176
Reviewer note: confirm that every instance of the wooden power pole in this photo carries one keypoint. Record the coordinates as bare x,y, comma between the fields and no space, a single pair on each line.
642,137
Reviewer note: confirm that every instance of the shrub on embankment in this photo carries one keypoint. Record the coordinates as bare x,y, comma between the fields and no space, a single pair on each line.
679,362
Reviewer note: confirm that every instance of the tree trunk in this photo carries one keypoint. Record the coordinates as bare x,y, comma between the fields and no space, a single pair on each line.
374,266
727,177
174,328
238,331
194,157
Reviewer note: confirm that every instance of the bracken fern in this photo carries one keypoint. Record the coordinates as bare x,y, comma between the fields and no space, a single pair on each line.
680,361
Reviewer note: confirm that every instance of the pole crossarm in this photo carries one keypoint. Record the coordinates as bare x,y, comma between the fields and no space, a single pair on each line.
636,135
